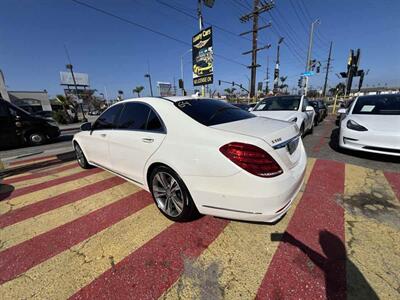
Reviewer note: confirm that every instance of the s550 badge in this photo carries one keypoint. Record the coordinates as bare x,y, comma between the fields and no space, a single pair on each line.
276,140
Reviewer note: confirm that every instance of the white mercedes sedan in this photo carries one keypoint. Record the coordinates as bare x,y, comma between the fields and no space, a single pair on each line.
288,108
372,124
197,155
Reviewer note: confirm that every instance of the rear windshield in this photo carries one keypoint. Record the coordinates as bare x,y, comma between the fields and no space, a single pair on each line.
278,103
212,112
378,105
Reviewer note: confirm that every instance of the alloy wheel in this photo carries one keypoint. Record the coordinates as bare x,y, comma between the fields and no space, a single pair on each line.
79,155
168,194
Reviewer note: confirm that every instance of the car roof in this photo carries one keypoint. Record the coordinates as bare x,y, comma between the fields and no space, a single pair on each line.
170,99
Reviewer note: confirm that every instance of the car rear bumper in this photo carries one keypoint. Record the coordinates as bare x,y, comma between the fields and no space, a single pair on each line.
246,197
370,142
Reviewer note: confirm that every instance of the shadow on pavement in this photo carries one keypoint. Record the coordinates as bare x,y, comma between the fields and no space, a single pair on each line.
335,265
5,191
334,144
60,158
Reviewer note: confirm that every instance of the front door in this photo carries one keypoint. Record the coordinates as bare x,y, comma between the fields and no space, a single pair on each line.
138,135
96,145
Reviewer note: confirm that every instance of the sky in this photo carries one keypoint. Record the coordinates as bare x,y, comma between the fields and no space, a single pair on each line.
116,54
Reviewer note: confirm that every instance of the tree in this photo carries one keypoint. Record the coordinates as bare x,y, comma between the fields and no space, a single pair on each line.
67,103
230,92
138,90
338,90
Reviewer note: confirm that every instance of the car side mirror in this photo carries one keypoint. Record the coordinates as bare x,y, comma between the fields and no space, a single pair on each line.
309,108
86,126
342,111
17,118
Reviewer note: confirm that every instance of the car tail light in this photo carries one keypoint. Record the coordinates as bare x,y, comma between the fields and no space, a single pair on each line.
252,159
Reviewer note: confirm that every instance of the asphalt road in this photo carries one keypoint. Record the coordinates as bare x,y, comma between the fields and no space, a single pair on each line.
62,143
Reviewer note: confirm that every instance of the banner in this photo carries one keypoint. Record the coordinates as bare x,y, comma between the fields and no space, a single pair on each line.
202,51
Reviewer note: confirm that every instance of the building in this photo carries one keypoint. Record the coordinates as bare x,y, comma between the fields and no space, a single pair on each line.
375,91
31,101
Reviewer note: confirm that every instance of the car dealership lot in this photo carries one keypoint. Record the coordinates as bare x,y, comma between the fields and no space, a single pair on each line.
67,232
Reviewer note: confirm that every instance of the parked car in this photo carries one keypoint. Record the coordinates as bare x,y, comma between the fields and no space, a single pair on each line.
288,108
320,111
372,124
198,155
18,127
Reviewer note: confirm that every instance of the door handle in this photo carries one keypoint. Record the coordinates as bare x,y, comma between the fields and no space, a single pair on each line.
147,140
103,135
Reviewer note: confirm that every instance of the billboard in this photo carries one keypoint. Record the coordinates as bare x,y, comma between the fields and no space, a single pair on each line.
80,78
165,89
202,51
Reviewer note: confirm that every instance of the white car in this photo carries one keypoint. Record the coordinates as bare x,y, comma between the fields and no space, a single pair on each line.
288,108
372,124
198,155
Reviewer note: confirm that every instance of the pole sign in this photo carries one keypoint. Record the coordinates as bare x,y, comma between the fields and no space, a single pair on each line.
202,52
309,73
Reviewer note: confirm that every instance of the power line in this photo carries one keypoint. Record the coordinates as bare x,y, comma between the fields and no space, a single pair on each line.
194,17
100,10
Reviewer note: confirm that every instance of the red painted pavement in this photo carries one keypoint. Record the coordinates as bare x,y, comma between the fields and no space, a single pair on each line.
148,272
22,257
40,174
50,183
29,211
310,262
394,181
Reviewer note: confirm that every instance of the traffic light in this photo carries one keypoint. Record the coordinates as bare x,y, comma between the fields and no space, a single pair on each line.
219,82
180,84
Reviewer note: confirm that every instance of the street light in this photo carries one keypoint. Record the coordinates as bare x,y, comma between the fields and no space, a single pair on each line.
190,50
70,67
151,88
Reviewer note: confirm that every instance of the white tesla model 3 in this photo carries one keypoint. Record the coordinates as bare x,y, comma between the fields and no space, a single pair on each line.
288,108
198,155
372,124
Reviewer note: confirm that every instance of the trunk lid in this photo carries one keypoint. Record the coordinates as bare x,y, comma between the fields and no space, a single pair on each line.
280,135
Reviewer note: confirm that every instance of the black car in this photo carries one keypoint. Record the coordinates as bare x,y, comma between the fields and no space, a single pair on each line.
18,127
321,111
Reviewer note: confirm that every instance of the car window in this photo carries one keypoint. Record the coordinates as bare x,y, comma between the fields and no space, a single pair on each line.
153,122
134,116
278,103
108,118
305,104
377,105
211,112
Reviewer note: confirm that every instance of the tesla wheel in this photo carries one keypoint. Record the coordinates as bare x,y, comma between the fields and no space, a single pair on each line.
36,139
80,157
171,195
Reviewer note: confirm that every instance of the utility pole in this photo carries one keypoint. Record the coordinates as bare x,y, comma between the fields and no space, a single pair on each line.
276,71
257,10
70,67
267,78
328,64
309,53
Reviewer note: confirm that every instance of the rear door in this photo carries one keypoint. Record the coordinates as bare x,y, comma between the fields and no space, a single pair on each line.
8,129
139,133
96,144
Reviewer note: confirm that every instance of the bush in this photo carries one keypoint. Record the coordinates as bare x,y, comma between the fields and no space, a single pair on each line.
60,117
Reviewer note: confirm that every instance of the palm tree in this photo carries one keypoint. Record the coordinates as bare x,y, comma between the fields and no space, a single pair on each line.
138,90
66,103
230,92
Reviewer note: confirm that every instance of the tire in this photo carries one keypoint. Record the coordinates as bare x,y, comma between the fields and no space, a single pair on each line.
81,158
311,129
171,195
36,139
315,122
